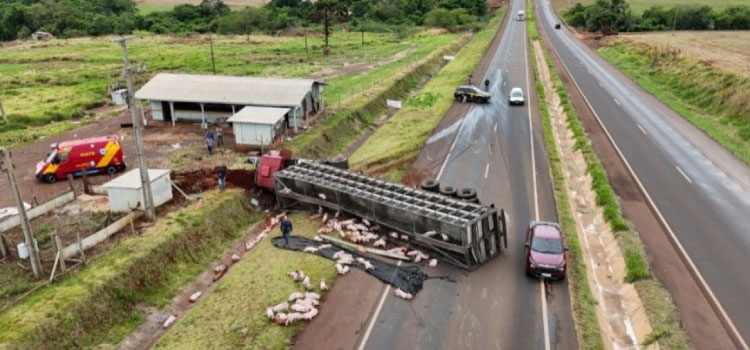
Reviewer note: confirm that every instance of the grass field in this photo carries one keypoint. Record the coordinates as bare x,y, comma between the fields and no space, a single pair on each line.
96,305
233,315
638,6
713,99
47,85
145,9
728,50
401,138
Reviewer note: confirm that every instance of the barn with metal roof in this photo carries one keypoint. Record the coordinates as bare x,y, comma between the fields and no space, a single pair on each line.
211,98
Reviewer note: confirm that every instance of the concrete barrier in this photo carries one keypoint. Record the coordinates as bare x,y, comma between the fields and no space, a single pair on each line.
101,235
14,221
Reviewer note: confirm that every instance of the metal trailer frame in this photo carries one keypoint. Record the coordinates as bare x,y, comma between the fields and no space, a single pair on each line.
474,231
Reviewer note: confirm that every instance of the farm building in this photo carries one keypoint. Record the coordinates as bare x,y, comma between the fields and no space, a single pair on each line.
258,126
125,194
211,98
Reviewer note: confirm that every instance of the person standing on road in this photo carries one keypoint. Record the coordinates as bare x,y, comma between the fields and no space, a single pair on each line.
209,142
219,135
468,80
286,229
221,171
487,85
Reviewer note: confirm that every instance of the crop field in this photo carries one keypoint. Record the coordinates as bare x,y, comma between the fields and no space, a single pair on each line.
53,86
727,50
638,6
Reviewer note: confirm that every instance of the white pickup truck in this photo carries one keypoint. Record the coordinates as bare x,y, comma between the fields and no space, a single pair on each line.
521,15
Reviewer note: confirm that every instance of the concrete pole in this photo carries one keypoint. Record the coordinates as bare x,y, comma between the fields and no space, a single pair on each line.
148,199
28,236
171,112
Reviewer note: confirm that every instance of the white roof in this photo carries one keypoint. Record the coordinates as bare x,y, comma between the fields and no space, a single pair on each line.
275,92
132,179
259,115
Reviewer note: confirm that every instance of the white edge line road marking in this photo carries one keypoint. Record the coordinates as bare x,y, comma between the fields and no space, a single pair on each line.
374,318
683,174
545,320
486,170
703,285
642,130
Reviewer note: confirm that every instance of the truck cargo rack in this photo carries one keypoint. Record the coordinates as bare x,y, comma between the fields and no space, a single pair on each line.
474,231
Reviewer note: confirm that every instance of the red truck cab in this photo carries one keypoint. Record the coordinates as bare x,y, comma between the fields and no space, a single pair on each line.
99,155
269,164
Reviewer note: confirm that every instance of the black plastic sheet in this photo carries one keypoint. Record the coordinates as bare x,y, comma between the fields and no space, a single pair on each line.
408,278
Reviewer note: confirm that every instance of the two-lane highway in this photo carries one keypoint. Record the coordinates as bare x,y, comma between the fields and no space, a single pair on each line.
700,189
499,151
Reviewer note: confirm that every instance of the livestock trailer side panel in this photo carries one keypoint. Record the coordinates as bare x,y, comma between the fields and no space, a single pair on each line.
474,231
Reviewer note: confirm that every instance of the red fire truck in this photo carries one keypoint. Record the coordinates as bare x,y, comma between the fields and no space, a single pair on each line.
99,155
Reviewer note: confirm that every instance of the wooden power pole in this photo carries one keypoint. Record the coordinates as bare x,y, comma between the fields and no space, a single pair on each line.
7,165
148,199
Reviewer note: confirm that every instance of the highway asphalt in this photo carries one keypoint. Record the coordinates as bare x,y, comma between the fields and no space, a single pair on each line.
489,148
702,191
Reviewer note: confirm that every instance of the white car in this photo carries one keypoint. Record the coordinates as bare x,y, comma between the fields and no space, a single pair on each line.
516,96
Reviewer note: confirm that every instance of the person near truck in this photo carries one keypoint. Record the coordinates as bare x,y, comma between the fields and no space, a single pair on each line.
487,85
221,172
286,229
209,142
219,135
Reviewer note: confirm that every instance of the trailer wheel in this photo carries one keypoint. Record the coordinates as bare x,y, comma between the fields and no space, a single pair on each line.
468,194
339,162
448,191
431,185
111,170
50,178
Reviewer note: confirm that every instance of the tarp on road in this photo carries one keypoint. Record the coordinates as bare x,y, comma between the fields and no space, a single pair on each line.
407,278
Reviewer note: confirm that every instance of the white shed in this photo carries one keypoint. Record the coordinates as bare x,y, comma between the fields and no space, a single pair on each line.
125,192
258,126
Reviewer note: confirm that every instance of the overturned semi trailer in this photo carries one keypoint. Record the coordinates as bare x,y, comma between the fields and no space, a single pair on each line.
474,231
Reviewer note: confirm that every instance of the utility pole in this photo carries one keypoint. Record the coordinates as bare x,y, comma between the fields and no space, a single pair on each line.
2,110
148,199
7,165
674,21
211,44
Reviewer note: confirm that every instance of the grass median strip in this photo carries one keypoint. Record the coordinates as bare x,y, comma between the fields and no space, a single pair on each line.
399,140
233,315
97,304
583,301
658,305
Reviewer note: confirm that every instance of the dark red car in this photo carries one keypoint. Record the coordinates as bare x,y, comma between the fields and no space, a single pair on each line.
545,250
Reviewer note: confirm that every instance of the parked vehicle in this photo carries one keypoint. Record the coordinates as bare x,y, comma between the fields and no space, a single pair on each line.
516,96
471,94
521,15
545,250
557,25
100,155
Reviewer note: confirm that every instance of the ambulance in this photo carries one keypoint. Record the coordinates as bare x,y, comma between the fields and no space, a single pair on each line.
99,155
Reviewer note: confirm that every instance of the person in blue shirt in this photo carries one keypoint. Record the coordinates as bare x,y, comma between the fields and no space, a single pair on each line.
209,142
286,229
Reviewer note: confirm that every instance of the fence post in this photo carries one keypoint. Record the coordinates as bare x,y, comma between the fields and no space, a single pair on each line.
59,250
70,183
3,248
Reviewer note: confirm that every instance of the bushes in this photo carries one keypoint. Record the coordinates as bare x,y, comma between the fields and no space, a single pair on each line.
606,15
450,19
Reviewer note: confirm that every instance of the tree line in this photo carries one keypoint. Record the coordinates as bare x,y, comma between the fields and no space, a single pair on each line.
616,16
72,18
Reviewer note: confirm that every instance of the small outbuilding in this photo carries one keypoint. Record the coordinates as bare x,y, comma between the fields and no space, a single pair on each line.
41,36
125,192
212,98
258,126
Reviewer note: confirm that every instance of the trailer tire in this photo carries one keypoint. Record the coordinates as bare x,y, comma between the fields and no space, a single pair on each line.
50,178
467,194
448,191
339,162
431,185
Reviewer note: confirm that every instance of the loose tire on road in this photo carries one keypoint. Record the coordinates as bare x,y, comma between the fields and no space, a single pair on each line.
50,178
467,194
448,191
431,185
